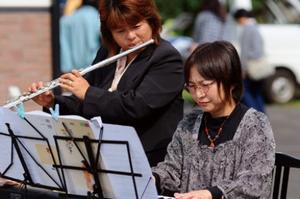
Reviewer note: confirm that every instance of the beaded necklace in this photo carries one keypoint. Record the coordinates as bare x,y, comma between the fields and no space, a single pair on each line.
219,131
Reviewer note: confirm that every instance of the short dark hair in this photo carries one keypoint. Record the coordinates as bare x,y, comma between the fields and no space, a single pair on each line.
116,13
241,13
215,7
218,61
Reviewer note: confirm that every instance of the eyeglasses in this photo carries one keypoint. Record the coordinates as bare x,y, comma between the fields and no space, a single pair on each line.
203,85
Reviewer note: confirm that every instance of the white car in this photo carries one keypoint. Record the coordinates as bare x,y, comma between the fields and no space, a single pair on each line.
281,34
282,46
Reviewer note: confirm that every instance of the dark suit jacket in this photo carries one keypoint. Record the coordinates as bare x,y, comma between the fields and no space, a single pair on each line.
148,97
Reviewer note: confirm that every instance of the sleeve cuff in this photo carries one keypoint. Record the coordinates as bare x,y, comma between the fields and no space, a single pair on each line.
215,192
157,182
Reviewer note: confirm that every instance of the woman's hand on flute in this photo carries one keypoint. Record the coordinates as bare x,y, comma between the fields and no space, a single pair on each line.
75,83
45,99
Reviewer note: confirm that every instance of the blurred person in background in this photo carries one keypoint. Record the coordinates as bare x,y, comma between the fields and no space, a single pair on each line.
251,48
142,89
222,149
79,34
210,23
69,6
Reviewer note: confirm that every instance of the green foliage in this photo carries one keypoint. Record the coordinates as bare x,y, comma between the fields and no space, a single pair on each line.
193,5
257,4
187,97
171,9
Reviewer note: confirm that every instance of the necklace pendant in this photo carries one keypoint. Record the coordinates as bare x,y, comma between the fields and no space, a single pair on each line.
212,145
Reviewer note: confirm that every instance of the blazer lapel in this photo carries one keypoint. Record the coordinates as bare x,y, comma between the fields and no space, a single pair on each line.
136,71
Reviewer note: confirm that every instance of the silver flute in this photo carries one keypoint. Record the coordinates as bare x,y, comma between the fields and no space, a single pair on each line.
55,83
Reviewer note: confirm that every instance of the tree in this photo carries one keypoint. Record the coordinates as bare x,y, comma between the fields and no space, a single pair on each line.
171,9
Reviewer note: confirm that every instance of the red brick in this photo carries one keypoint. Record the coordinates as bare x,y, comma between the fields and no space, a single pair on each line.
25,54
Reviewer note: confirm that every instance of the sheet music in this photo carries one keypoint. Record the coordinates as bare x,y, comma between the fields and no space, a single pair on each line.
40,149
16,170
113,156
37,149
78,182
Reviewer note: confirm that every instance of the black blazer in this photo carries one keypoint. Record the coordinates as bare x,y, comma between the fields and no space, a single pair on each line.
148,97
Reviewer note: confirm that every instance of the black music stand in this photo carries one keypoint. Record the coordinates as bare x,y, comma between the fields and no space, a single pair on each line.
21,150
91,162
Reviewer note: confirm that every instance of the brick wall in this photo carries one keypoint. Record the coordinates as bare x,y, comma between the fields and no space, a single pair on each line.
25,51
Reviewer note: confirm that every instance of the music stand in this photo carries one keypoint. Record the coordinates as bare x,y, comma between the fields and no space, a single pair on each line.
89,150
24,155
91,164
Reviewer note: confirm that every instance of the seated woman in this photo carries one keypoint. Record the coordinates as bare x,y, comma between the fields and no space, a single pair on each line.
224,149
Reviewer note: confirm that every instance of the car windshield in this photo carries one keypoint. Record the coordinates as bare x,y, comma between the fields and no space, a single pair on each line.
279,11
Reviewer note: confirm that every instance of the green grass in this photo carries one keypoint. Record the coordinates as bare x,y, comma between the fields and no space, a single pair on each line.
187,97
295,103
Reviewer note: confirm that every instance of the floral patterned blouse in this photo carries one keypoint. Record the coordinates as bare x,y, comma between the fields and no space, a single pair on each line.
240,168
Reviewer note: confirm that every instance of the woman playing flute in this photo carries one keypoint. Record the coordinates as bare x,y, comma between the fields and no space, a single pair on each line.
142,90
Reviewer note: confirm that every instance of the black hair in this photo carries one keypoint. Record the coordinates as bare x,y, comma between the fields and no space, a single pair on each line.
241,13
218,61
215,7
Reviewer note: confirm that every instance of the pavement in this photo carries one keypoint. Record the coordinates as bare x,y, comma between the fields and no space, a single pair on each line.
285,122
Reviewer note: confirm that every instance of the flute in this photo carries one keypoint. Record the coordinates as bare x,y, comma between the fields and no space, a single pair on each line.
55,83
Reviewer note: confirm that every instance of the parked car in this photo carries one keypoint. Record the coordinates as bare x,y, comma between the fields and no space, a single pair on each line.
279,24
281,32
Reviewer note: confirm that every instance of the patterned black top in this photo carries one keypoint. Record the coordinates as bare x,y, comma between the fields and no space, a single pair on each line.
240,167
